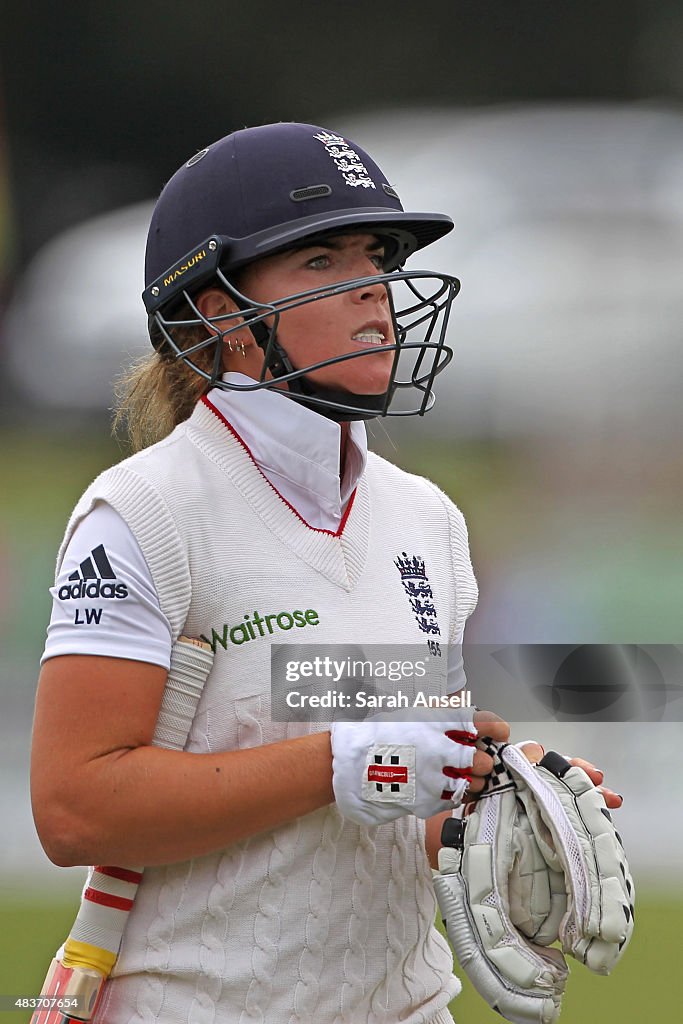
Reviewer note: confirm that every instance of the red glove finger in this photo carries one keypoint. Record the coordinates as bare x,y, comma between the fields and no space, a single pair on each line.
468,739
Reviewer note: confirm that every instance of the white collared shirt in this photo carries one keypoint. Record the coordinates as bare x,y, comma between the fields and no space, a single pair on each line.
296,449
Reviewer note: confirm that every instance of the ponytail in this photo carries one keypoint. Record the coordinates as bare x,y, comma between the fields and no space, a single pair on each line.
159,391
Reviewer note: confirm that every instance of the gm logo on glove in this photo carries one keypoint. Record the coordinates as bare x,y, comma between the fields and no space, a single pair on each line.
390,774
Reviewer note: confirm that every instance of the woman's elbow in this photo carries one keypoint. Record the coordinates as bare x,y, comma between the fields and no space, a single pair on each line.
62,834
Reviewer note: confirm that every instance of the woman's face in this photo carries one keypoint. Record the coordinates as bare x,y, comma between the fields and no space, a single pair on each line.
355,321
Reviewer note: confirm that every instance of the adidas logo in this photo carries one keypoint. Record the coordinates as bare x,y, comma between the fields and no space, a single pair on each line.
93,578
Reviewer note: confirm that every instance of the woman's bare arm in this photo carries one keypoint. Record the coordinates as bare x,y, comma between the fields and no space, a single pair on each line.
102,794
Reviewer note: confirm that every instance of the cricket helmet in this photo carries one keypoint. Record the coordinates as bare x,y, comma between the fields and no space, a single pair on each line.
264,190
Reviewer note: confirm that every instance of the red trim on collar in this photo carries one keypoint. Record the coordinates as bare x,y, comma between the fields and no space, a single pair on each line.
247,449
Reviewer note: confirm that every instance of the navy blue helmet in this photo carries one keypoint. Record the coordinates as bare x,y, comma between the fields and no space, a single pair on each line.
264,190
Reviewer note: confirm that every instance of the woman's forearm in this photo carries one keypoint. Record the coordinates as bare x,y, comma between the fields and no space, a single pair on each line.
150,806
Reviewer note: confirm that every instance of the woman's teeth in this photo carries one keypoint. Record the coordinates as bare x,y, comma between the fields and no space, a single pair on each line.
369,339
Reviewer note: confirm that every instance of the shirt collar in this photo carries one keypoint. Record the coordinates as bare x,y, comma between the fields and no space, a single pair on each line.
295,448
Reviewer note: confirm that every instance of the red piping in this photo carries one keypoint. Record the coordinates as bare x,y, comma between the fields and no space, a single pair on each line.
247,449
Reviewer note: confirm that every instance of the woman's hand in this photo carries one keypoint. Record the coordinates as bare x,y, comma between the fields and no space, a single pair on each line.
534,752
492,727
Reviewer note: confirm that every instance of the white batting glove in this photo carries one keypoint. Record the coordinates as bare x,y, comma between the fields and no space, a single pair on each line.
385,769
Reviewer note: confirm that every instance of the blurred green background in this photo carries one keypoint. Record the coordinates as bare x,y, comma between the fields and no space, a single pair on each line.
640,988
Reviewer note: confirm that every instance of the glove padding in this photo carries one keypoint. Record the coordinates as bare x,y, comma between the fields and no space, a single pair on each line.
537,860
494,870
575,833
385,767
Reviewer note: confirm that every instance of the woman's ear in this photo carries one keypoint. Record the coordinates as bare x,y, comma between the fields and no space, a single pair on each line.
214,302
239,349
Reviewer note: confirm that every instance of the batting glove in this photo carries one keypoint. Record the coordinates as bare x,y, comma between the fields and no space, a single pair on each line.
386,768
537,860
502,908
576,835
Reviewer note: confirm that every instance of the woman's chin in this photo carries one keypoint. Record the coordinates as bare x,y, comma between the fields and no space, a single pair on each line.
360,384
366,387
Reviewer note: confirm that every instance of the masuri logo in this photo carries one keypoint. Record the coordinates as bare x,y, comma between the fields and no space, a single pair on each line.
256,626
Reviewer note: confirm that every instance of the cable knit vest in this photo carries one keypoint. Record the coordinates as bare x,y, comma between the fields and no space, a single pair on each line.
320,921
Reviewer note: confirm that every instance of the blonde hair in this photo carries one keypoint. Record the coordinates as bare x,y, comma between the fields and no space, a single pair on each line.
160,391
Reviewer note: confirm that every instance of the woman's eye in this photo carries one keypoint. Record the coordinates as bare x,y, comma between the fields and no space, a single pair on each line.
324,261
319,262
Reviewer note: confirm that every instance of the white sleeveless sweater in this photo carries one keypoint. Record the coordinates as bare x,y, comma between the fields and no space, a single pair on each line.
320,921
